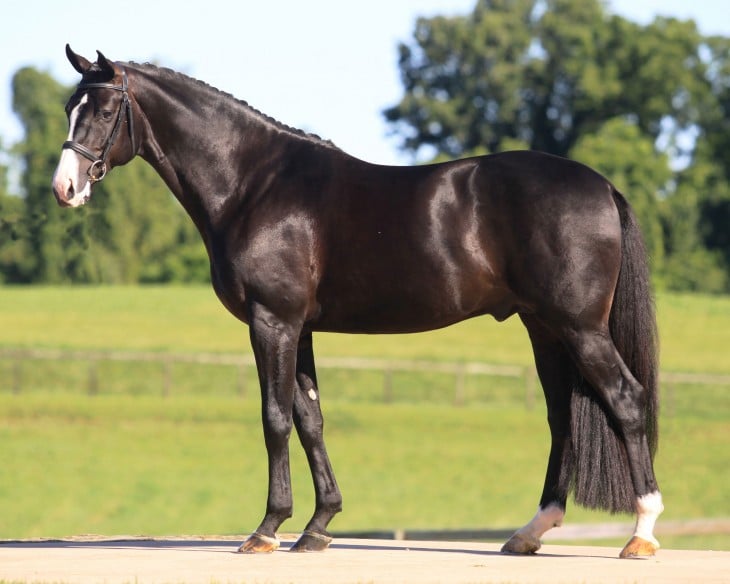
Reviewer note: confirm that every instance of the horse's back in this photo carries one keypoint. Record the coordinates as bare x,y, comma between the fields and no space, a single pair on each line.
422,247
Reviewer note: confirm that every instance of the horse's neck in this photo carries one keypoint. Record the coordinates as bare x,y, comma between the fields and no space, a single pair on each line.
203,156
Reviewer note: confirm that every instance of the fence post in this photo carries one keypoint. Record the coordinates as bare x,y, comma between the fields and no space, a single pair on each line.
167,383
668,401
242,380
93,377
530,384
17,375
460,383
387,385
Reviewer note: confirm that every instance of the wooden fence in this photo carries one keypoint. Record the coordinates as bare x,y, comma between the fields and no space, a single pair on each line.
459,371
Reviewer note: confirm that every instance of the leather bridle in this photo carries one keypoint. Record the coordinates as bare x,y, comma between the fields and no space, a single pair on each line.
97,170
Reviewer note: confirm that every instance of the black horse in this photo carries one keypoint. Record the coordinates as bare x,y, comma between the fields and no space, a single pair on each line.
303,237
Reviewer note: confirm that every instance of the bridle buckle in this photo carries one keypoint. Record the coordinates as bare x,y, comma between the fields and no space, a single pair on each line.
98,169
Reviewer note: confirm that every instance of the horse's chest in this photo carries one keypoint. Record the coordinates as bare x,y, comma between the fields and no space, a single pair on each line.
229,288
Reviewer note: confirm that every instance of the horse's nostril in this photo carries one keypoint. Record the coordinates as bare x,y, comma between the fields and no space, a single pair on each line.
71,193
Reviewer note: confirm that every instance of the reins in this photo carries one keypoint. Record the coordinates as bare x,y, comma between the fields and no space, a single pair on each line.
97,170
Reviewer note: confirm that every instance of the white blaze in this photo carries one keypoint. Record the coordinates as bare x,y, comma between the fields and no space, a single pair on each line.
67,174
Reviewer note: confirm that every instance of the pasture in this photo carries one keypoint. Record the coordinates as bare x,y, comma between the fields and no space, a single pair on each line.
133,461
694,329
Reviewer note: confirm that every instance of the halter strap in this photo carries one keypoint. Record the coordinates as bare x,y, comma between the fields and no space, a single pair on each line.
97,170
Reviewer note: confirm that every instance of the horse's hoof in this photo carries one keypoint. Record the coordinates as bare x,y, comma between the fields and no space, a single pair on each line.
259,544
311,541
639,548
521,544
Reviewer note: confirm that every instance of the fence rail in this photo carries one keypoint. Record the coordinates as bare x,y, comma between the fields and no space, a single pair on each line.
386,367
578,531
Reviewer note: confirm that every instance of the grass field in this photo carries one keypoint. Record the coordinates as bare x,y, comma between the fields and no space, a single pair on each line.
694,330
121,464
195,463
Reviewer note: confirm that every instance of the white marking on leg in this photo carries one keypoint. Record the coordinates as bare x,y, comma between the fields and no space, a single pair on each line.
648,509
545,519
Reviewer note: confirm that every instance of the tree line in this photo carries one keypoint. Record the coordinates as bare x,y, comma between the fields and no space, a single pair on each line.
134,231
646,105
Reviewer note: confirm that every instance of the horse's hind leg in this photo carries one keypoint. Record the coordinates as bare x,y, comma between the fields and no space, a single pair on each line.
555,369
309,424
624,400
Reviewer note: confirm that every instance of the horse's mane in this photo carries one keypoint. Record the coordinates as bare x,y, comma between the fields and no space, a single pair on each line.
166,72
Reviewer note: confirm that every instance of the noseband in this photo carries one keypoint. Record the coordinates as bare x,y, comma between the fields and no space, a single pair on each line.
97,170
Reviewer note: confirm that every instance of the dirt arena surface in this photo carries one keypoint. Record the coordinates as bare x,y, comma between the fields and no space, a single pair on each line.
357,561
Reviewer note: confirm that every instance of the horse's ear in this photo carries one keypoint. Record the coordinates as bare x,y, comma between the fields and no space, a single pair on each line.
77,61
105,64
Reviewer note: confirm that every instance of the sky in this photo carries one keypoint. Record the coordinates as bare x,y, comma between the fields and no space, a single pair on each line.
324,66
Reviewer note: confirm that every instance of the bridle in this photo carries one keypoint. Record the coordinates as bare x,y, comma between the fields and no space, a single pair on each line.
97,170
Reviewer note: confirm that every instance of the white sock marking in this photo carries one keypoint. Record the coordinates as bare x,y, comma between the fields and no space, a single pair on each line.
545,519
648,509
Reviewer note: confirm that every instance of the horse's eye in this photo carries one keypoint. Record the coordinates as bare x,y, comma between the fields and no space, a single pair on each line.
106,115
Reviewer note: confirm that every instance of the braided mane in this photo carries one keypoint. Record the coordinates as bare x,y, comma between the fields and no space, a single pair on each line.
166,72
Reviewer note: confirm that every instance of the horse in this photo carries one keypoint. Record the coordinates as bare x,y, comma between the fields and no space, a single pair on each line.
303,237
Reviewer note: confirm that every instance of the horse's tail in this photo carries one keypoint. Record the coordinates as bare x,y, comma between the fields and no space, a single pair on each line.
601,476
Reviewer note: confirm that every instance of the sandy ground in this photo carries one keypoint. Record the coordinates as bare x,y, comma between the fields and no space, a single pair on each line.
208,561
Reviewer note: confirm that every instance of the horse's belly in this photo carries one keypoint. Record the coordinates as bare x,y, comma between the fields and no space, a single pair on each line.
428,310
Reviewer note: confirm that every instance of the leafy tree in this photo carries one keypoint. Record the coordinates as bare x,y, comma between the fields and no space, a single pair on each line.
56,240
619,150
712,156
689,218
11,242
569,78
137,227
464,80
133,230
545,73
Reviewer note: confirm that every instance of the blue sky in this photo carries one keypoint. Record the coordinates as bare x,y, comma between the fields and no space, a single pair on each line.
325,66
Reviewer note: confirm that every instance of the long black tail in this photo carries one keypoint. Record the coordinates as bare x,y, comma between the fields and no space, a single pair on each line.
601,477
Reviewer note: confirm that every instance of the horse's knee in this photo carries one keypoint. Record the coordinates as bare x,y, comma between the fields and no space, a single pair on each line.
277,426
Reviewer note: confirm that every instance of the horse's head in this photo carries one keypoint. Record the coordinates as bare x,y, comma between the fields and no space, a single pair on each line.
101,129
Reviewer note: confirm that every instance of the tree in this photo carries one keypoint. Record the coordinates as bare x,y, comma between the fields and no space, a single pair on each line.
137,227
691,223
647,105
464,80
130,232
11,232
619,150
545,73
56,240
712,155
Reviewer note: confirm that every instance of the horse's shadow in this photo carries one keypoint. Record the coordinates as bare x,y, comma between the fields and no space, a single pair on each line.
230,546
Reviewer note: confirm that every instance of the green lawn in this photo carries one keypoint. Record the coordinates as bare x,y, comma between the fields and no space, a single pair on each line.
149,465
694,330
131,461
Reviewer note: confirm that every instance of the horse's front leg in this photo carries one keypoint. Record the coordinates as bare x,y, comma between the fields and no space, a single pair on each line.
310,425
274,343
